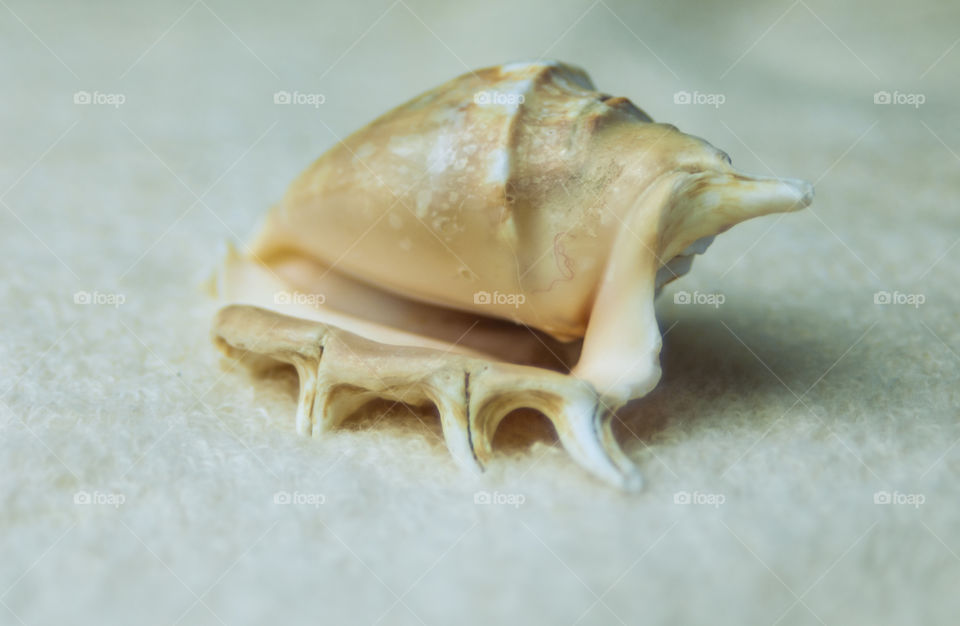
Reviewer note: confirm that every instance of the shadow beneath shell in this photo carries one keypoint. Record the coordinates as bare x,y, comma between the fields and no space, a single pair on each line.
717,363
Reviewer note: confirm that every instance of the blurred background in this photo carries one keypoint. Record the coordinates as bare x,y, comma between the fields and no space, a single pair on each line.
801,452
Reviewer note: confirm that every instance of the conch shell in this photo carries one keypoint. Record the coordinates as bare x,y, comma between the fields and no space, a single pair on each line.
493,244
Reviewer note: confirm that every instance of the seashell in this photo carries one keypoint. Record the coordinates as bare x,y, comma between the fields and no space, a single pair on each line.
493,244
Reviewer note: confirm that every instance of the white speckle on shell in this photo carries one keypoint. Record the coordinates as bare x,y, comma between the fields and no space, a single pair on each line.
498,166
442,155
404,146
423,202
364,151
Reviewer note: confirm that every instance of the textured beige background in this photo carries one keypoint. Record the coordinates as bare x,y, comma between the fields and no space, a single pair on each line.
796,401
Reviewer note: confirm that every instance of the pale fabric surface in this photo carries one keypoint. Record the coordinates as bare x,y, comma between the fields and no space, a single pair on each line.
794,402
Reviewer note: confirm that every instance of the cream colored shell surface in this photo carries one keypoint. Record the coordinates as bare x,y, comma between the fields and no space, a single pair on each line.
493,244
512,179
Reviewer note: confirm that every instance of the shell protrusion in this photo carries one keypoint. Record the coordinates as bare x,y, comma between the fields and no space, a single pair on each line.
340,372
709,203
